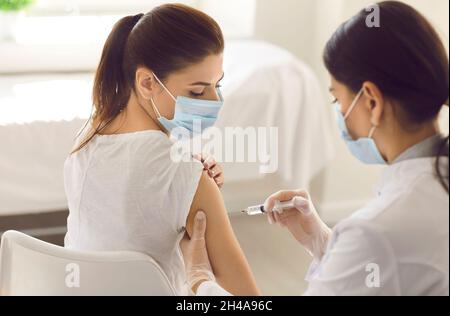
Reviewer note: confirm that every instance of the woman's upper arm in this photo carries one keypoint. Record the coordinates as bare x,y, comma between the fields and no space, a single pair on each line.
228,261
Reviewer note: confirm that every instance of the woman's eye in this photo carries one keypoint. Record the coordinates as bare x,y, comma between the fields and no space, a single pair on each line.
196,94
335,101
200,94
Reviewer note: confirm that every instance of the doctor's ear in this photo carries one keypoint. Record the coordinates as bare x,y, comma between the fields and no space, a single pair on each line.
145,83
375,102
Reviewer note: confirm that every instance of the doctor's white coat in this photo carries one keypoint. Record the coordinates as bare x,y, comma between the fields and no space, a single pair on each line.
398,244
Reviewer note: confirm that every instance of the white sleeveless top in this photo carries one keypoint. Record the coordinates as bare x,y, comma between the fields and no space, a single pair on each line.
126,194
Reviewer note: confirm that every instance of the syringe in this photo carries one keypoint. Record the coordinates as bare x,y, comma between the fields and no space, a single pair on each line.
260,209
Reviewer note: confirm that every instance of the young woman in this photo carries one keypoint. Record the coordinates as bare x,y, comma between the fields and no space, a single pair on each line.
124,190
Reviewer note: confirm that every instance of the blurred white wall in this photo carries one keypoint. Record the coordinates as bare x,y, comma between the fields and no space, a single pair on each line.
236,17
303,27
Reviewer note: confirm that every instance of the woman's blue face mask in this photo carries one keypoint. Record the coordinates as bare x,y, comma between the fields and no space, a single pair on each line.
193,115
364,149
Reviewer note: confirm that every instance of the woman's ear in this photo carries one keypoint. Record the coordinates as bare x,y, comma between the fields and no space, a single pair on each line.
145,83
374,102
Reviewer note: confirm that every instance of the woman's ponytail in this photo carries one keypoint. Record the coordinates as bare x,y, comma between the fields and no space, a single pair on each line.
111,91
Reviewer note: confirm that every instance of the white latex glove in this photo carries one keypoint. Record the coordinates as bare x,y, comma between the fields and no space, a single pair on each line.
303,221
196,260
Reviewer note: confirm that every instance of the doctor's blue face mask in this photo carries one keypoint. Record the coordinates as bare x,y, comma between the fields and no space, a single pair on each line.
364,149
190,111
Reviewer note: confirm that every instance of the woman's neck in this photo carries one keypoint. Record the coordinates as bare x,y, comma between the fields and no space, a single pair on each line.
134,118
401,141
141,116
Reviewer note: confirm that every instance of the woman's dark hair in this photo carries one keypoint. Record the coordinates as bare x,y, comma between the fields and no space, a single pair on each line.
404,57
169,38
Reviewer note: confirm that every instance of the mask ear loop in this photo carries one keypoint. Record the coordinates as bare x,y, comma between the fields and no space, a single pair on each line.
167,90
352,107
158,114
355,102
155,109
372,131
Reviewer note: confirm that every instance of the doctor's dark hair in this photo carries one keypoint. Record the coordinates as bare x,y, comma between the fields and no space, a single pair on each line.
168,39
404,57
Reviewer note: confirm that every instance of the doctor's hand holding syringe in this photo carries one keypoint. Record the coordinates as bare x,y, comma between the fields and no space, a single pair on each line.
290,209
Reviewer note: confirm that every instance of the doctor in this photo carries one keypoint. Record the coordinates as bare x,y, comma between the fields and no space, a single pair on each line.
389,83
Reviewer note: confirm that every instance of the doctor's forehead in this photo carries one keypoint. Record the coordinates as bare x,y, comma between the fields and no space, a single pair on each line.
333,83
336,86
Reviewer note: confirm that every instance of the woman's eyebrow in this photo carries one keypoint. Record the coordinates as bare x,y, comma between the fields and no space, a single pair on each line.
206,84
